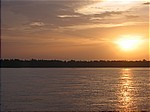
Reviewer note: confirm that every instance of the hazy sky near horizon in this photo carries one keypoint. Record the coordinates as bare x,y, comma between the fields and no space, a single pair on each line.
74,29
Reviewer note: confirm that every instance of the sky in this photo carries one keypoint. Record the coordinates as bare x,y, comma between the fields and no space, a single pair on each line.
75,29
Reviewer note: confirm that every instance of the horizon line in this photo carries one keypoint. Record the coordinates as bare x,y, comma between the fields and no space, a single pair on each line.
70,59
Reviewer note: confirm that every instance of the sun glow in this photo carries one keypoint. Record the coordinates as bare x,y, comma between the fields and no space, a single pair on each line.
127,42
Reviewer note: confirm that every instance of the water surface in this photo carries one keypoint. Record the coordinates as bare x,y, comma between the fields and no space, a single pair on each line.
75,89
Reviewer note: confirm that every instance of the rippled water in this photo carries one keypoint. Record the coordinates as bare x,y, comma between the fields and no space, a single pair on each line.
78,89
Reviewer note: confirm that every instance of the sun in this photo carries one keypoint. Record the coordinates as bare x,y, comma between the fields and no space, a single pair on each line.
128,42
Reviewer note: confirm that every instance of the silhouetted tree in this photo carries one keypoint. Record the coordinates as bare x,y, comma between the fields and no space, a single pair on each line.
72,63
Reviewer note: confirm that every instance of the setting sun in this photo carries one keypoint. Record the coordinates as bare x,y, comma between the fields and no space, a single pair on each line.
75,30
129,42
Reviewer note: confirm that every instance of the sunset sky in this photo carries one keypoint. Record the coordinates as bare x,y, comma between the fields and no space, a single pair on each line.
75,29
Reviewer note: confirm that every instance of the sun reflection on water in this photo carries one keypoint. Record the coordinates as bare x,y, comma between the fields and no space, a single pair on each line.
125,96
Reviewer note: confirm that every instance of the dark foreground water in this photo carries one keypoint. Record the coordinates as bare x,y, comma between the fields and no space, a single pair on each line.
75,89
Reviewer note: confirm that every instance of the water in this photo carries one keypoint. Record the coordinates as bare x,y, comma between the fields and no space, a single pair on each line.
75,89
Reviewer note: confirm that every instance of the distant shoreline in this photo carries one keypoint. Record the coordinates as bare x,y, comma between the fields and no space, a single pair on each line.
16,63
74,67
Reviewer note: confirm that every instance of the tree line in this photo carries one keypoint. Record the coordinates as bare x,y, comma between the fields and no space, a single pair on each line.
17,63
